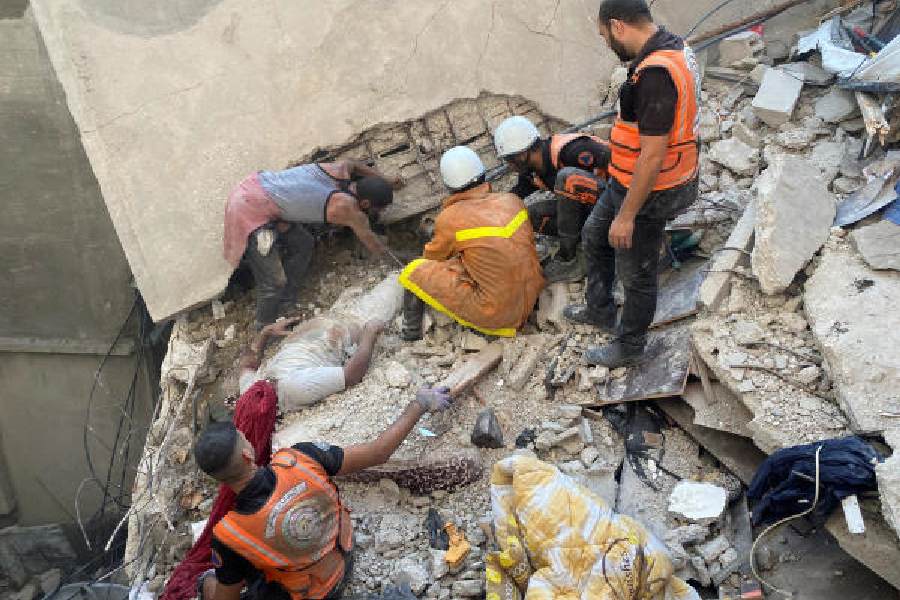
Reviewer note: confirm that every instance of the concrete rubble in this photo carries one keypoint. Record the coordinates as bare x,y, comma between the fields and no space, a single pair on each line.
794,342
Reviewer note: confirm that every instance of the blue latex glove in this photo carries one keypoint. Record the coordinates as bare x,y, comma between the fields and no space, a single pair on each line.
434,399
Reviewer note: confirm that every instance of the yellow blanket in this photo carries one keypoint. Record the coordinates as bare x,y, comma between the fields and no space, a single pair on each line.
560,541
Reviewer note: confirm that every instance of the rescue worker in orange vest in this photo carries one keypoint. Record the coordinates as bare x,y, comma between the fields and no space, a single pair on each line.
562,163
653,175
480,267
289,536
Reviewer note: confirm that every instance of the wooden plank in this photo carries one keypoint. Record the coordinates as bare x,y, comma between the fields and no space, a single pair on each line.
679,290
738,454
717,283
464,377
662,373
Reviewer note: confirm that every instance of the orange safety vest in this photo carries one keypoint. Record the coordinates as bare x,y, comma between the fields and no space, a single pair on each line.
681,162
559,141
298,539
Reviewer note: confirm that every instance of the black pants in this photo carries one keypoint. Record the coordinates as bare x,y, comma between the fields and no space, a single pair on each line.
561,216
260,589
635,266
278,273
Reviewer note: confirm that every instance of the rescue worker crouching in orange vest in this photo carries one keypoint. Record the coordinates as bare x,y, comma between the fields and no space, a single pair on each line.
571,165
480,267
289,536
653,171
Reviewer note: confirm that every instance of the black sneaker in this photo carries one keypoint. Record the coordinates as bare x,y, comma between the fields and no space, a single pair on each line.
565,271
614,355
581,314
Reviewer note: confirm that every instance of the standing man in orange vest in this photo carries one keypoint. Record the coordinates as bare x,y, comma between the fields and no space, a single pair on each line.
289,536
564,164
653,171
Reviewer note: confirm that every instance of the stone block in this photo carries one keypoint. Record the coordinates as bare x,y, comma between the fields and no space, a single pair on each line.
794,213
747,135
836,106
809,72
739,47
852,313
713,549
735,155
412,572
777,96
487,432
879,244
701,503
468,588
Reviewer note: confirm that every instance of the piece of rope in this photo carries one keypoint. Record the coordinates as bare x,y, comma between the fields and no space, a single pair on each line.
774,526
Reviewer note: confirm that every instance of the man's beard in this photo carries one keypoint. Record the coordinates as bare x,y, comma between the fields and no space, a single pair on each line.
620,50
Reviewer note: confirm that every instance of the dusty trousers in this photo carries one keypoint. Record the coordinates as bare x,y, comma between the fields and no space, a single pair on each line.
277,274
637,266
564,216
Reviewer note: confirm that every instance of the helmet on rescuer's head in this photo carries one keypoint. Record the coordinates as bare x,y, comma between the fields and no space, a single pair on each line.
461,167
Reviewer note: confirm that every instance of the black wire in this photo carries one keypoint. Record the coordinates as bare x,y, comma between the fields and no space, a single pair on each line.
710,13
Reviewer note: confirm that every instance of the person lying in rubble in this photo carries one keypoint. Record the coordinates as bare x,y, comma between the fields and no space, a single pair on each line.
314,360
556,164
267,215
480,267
289,536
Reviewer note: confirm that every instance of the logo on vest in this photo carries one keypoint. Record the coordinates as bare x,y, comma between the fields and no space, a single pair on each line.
279,507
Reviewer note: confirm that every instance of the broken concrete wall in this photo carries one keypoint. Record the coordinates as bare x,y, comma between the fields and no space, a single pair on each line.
175,107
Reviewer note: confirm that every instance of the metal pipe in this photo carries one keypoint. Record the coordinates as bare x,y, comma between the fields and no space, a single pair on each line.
738,26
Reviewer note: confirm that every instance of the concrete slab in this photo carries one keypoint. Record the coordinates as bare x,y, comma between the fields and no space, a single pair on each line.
879,244
794,216
176,106
777,96
877,548
852,314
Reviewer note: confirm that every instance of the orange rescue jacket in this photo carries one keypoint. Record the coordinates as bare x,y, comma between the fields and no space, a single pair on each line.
681,162
298,539
481,267
559,141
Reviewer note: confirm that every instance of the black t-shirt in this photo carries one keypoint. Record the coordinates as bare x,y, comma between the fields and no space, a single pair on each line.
651,100
231,567
582,153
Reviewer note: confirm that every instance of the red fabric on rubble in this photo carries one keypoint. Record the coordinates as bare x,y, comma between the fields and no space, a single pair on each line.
254,415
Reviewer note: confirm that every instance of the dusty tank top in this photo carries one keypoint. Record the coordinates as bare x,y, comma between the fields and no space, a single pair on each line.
301,192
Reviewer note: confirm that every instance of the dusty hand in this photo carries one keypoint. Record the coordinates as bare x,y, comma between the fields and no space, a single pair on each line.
283,327
374,327
434,399
620,232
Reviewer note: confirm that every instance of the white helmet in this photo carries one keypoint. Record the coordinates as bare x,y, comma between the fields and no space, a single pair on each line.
460,166
515,135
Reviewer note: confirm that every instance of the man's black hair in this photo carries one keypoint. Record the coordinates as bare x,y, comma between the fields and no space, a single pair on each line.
215,447
627,11
376,190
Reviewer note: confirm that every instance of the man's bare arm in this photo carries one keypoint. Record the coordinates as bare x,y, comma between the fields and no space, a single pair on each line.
252,355
379,450
220,591
358,365
646,170
342,210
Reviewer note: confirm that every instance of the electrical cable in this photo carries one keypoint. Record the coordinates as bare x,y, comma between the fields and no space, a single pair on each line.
778,524
706,16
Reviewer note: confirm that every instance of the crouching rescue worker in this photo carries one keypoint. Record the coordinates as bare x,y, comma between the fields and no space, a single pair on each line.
568,164
481,266
653,171
289,536
267,214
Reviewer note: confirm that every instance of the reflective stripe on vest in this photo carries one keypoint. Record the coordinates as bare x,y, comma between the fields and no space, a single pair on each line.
680,164
436,304
506,231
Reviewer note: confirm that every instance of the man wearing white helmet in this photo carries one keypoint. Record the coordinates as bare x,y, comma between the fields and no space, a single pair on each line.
566,163
480,267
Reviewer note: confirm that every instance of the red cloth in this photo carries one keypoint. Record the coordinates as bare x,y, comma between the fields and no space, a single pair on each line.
248,208
254,415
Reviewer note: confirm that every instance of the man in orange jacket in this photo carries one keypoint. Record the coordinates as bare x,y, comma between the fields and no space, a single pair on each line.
653,171
568,164
289,536
481,266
